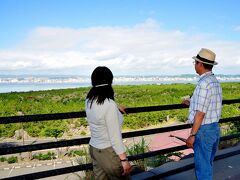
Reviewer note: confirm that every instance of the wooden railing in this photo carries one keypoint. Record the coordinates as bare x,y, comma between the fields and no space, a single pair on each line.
80,141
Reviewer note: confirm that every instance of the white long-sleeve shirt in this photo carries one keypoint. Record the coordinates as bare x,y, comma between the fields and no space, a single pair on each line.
105,122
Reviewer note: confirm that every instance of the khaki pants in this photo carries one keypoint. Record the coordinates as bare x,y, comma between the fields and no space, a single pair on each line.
106,164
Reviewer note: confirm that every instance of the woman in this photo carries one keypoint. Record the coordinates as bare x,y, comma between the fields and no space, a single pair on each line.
105,120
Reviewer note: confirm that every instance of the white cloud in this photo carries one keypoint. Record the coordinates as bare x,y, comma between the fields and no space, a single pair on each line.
237,28
141,49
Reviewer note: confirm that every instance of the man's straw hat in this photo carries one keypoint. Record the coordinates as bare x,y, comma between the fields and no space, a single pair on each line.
206,56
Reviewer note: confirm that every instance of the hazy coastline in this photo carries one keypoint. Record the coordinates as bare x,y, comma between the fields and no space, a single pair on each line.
23,83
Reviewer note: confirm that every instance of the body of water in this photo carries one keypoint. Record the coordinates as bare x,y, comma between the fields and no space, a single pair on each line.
37,83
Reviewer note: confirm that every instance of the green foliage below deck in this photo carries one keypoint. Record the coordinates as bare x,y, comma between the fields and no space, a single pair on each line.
70,100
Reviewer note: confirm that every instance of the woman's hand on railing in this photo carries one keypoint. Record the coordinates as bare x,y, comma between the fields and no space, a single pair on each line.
122,109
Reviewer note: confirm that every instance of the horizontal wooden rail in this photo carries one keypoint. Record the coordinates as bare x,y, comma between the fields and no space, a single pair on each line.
70,115
80,141
82,167
171,107
41,117
53,172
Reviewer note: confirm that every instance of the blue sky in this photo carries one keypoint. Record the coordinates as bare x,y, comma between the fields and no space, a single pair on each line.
132,37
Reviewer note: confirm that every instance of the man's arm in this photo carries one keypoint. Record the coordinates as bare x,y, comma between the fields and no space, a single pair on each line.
196,125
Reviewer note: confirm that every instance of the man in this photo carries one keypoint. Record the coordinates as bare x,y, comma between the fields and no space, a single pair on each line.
204,113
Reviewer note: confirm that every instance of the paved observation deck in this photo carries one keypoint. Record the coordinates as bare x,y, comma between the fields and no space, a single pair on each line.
226,166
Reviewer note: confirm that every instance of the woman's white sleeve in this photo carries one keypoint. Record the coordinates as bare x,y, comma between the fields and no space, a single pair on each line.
114,128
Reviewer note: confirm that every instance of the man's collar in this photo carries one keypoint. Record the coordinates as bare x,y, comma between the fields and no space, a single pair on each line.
205,74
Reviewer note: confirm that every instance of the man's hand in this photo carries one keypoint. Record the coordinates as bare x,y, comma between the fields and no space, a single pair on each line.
186,100
190,141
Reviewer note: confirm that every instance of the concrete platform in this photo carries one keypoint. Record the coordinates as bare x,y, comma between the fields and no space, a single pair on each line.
226,166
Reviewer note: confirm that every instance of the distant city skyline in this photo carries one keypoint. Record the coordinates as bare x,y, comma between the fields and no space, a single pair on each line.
131,37
36,83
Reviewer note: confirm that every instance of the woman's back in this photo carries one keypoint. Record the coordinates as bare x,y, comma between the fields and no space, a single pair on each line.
100,118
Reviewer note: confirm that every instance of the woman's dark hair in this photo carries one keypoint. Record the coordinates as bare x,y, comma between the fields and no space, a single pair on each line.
101,78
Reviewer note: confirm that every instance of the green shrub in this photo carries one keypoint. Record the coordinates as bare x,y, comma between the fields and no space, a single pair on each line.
139,148
83,157
12,159
74,153
48,156
2,159
83,133
8,130
155,161
53,132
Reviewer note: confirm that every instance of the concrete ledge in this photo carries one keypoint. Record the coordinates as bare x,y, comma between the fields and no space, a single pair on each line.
184,165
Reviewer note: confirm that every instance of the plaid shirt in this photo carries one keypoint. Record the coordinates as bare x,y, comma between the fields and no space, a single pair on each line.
207,98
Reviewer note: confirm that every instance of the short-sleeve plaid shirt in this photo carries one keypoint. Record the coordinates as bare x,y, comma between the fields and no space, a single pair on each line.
207,98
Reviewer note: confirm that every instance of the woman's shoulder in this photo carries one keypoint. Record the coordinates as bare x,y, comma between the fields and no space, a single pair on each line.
109,104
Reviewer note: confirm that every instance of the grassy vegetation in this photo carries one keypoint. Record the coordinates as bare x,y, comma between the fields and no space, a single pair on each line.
48,156
155,161
9,160
70,100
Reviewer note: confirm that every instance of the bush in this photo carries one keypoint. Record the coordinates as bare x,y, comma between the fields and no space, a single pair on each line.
12,159
139,148
74,153
53,132
155,161
83,133
2,159
48,156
